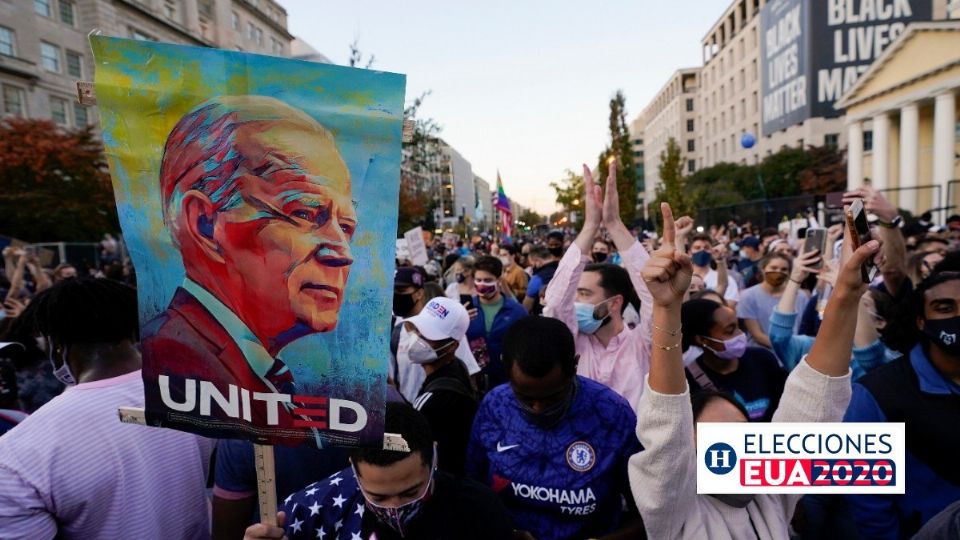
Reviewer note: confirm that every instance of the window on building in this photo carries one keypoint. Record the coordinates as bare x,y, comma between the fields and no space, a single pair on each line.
690,145
690,125
58,110
689,104
80,116
276,45
691,165
66,12
831,140
171,9
74,64
50,57
743,109
867,141
141,36
235,21
43,7
8,42
14,101
754,102
753,71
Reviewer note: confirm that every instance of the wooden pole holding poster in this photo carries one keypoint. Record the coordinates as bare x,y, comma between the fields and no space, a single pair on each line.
266,483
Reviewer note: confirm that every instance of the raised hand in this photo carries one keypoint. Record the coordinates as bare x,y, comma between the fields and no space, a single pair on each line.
667,273
803,265
684,227
873,201
849,279
593,211
611,200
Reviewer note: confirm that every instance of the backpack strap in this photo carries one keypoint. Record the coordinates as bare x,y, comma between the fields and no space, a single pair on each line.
701,377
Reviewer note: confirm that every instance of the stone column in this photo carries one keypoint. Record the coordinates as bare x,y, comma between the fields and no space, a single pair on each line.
854,155
909,152
881,151
944,136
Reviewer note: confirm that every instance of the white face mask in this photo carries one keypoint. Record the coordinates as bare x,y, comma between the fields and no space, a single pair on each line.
62,372
418,350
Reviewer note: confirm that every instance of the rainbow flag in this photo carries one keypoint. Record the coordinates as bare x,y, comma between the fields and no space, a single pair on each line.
502,204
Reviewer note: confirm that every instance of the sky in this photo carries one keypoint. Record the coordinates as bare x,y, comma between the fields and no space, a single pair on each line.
522,87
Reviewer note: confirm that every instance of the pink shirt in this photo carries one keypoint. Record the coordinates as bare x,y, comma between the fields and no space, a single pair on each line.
625,361
73,469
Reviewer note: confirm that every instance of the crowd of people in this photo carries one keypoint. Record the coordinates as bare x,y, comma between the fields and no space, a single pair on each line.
547,387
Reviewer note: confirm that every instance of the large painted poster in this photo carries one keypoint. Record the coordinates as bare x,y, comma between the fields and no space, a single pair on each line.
258,198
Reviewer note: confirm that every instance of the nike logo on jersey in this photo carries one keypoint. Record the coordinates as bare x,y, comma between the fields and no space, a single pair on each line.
501,448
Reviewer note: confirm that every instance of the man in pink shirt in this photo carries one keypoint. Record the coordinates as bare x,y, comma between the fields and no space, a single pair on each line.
591,298
72,469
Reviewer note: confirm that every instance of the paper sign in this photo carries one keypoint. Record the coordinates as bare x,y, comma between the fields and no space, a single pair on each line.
418,250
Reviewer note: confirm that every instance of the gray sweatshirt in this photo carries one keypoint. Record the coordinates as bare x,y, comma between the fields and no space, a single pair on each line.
664,476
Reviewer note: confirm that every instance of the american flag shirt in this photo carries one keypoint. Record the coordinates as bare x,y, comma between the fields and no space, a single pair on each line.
330,509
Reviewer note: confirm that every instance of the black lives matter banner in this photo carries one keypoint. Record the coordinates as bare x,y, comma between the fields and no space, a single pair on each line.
784,42
813,51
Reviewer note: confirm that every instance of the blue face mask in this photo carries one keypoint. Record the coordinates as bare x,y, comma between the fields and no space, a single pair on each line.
586,322
702,258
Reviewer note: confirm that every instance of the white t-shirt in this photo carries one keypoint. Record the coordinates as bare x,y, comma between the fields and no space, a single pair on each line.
411,376
733,291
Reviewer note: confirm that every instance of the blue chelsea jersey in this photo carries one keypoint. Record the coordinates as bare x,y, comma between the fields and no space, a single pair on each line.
563,482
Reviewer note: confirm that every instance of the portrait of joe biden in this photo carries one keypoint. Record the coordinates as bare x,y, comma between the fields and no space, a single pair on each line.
258,201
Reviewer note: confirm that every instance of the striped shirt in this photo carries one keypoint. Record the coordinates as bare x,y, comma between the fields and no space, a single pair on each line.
72,469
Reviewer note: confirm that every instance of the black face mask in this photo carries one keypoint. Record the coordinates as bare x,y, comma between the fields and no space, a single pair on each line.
402,304
556,252
945,333
551,416
599,257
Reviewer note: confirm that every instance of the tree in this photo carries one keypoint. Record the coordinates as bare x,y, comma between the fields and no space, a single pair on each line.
530,218
673,186
827,172
569,192
356,57
54,184
621,151
417,168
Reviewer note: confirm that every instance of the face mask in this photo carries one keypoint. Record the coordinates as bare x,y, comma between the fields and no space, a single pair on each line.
702,258
402,304
774,279
486,290
557,252
62,373
586,322
460,277
945,333
736,500
551,416
420,352
398,518
599,256
733,347
507,261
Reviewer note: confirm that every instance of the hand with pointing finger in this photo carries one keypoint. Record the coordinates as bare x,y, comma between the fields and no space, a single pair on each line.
668,271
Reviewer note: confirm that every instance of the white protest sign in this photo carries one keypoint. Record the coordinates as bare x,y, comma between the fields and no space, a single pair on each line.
417,249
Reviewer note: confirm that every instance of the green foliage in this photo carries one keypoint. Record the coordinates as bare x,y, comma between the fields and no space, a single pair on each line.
54,184
621,149
531,218
673,186
569,192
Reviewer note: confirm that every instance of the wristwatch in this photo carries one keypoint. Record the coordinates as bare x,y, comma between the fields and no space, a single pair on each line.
894,223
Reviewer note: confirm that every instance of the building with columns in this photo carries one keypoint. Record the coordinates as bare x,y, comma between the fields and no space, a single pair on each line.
902,120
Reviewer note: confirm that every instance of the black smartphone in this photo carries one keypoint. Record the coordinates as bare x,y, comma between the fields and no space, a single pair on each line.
466,300
859,231
816,240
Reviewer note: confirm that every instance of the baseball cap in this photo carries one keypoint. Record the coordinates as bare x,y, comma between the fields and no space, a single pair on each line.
408,276
442,318
751,242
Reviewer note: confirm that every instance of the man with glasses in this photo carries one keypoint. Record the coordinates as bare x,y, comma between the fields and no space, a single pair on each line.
257,199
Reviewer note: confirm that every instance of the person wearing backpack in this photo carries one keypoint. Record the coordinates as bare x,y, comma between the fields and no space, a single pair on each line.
447,398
